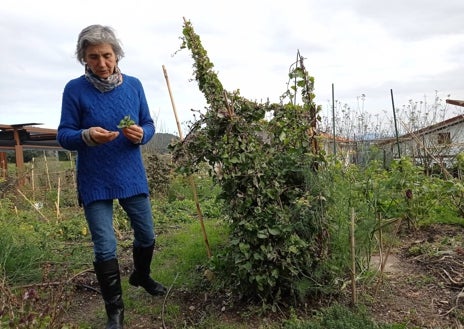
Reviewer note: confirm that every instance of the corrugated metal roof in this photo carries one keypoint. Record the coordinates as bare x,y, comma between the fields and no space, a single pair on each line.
28,135
455,102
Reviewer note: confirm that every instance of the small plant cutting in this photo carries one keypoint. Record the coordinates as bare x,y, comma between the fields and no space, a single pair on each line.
126,122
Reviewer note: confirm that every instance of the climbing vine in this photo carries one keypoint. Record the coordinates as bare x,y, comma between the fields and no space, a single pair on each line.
268,171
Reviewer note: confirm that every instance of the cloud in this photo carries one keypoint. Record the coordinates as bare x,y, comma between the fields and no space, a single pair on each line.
362,47
414,19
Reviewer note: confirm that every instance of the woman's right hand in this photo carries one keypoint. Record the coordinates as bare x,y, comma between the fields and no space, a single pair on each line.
100,135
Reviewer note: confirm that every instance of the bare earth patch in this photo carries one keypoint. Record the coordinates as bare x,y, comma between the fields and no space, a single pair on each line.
423,281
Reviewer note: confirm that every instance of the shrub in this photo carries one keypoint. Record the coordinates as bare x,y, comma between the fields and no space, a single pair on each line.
268,172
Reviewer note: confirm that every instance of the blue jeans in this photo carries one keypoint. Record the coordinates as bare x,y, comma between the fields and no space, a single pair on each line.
99,215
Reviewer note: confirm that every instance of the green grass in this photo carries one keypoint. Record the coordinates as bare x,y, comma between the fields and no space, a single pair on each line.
179,263
27,243
338,317
182,252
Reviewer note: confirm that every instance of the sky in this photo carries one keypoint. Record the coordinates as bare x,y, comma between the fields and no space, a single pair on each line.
366,50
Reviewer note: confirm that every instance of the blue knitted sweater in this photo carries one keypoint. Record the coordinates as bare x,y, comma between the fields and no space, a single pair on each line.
113,170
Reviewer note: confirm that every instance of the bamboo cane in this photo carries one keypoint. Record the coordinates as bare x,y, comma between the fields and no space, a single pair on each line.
33,179
353,260
191,179
57,202
47,171
73,173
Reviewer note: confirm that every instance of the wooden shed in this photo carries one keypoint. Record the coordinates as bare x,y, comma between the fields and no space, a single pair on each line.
23,136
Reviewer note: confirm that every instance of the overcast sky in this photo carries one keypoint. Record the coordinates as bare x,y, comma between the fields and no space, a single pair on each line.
362,47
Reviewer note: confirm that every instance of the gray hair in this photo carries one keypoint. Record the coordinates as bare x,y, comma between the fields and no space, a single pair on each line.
95,35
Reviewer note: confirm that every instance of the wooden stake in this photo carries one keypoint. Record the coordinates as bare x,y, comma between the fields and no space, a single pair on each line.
57,202
33,179
172,103
47,171
353,260
191,178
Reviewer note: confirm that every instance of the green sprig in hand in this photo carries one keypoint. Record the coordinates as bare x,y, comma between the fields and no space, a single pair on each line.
132,132
126,122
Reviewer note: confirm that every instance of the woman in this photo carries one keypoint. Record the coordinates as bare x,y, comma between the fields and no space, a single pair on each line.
109,164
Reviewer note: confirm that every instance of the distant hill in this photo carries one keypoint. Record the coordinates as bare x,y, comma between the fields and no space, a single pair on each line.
160,142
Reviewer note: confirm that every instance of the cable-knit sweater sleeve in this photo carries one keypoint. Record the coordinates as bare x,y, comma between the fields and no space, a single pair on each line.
70,130
145,121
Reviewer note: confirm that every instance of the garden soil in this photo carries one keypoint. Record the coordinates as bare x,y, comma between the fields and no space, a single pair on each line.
420,285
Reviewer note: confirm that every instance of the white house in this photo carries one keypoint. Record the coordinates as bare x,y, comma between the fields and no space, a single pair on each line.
437,144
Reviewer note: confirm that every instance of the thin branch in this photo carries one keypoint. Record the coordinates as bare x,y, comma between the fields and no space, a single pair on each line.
32,204
164,301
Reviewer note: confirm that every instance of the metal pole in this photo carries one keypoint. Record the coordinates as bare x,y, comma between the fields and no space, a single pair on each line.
333,121
396,126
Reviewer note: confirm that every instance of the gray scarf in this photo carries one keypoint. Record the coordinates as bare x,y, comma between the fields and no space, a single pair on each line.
104,85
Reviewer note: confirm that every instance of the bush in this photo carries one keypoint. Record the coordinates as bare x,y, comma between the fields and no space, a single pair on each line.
268,172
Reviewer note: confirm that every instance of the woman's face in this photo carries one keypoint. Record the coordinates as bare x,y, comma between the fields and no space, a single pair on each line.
101,59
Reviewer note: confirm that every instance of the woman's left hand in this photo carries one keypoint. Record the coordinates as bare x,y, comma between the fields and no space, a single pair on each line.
133,133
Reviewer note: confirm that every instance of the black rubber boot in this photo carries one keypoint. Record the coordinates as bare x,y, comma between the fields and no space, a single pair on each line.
141,274
110,284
